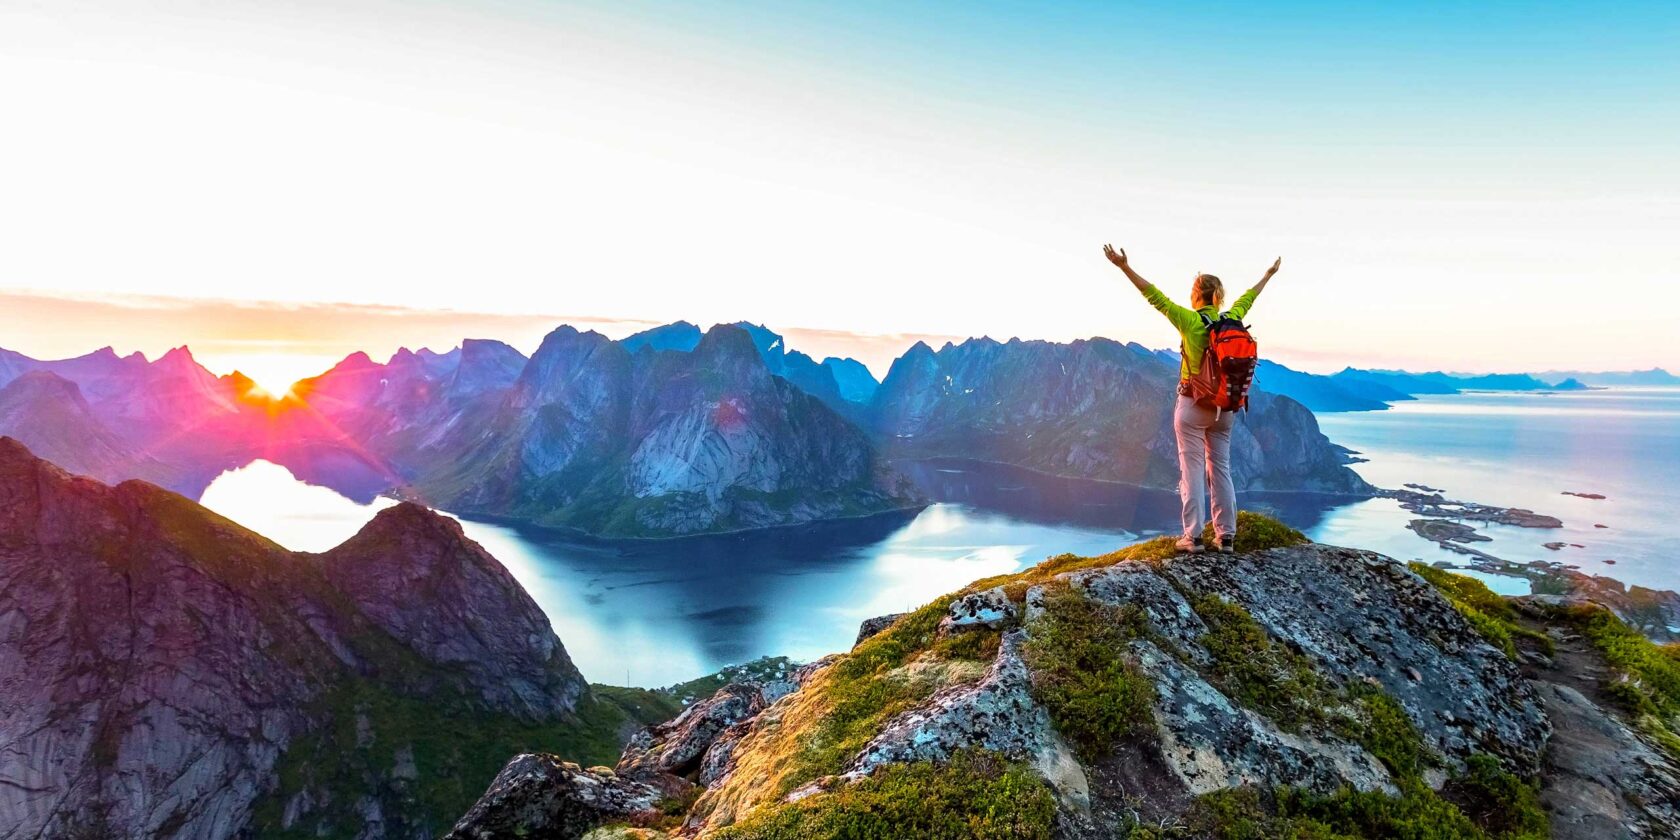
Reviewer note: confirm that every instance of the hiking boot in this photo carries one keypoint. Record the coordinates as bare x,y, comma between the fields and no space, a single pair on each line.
1191,546
1228,544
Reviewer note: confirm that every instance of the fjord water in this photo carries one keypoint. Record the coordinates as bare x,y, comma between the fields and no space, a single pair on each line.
655,612
660,611
1528,450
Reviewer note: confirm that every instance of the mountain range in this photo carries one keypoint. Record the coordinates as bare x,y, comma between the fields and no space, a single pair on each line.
678,430
667,432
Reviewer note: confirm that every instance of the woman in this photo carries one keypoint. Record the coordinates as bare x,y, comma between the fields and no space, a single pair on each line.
1204,434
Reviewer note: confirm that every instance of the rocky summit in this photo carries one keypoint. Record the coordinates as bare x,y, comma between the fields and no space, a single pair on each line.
167,673
1291,690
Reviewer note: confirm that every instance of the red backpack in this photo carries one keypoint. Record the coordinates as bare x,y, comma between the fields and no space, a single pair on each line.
1227,370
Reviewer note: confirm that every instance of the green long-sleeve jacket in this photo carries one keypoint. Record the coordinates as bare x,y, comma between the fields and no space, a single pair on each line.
1191,330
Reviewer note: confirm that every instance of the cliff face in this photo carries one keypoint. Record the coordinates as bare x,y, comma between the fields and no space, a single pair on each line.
170,674
1293,690
1089,409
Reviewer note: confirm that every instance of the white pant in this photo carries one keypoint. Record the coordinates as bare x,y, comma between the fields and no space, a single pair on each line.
1204,462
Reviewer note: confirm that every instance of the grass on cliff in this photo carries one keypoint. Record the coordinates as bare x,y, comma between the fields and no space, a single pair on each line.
1487,611
817,730
455,749
1255,532
975,795
762,669
1644,676
1082,673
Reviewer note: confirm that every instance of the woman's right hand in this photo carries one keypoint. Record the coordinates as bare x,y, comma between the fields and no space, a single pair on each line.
1118,258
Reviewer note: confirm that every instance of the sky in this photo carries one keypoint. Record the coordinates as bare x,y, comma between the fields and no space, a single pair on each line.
1468,186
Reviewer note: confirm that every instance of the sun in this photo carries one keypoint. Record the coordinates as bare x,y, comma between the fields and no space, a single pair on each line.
274,375
271,388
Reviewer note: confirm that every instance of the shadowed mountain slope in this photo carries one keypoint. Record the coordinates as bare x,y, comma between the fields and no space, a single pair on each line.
171,674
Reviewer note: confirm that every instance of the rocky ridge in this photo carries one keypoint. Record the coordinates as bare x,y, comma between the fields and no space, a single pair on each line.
1153,695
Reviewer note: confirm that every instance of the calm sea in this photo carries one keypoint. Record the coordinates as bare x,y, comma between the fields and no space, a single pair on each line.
657,612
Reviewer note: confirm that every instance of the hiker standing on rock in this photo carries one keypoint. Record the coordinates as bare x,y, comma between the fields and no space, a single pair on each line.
1217,360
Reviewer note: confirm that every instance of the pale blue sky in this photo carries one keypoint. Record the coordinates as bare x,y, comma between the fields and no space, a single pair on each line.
1444,180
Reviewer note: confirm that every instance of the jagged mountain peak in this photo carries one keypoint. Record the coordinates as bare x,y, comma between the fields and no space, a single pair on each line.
733,340
568,334
681,336
475,347
176,356
357,361
405,518
920,348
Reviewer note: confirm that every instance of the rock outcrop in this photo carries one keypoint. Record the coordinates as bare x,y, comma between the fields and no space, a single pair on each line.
167,673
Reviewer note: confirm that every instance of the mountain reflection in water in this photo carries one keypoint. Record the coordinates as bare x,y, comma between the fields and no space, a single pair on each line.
654,612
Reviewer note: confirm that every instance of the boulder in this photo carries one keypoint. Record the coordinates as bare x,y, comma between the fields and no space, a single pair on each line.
976,610
677,746
544,798
872,627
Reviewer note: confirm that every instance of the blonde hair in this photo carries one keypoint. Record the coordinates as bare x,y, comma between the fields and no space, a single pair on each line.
1206,291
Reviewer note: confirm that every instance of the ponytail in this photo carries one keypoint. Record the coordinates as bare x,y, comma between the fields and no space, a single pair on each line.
1206,290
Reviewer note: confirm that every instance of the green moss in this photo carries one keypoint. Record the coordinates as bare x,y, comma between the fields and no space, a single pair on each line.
1241,814
1258,532
1486,803
1487,611
1417,814
1385,731
1081,672
1257,672
975,795
1498,802
1644,676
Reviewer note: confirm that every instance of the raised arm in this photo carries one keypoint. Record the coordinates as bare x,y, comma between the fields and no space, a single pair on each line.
1180,317
1119,259
1244,303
